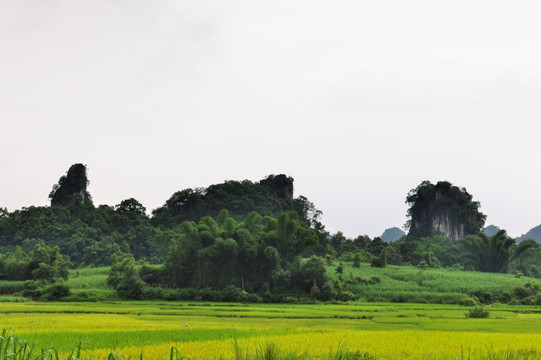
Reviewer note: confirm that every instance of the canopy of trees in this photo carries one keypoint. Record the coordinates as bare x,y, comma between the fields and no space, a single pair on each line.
219,252
91,235
270,196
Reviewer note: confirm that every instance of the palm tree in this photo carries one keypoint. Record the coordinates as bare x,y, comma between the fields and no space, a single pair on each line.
523,258
486,253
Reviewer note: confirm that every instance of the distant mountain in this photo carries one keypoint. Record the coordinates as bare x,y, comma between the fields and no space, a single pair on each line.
491,230
392,234
534,234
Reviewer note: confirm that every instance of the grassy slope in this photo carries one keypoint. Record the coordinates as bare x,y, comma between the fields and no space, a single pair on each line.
410,284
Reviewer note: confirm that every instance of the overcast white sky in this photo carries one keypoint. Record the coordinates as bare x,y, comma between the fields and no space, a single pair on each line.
359,101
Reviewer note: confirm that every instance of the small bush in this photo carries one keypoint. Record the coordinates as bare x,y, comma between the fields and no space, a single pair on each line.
347,296
55,292
209,294
380,261
253,298
32,289
187,293
153,293
478,312
231,293
290,299
521,292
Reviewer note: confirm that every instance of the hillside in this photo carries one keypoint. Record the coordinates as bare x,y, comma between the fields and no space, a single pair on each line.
392,234
534,234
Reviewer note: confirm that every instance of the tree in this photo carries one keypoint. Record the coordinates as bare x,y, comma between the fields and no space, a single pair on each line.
486,253
315,270
380,261
131,206
526,258
337,240
47,264
124,277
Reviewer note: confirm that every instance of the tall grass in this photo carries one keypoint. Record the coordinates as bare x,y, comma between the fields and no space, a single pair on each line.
17,299
10,287
14,348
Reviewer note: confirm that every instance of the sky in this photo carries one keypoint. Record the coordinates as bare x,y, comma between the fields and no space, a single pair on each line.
359,101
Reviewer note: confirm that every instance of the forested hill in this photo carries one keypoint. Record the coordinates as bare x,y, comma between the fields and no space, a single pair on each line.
534,234
268,197
91,234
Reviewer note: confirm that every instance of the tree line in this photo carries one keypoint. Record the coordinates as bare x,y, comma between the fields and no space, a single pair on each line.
240,237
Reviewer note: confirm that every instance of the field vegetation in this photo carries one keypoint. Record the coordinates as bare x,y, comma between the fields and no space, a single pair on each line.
232,331
397,284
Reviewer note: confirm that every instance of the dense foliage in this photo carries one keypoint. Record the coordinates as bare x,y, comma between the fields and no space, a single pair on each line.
270,196
87,234
236,239
256,254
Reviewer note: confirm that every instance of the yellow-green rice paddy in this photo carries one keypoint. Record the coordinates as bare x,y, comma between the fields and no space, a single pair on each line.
315,331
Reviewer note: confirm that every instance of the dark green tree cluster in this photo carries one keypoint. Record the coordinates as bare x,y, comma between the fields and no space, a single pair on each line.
268,197
360,249
91,235
125,279
257,251
479,252
87,234
42,263
44,270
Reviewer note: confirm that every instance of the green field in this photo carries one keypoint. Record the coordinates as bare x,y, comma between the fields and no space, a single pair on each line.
211,330
406,313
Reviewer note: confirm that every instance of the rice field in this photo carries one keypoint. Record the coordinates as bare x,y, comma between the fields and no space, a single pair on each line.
189,330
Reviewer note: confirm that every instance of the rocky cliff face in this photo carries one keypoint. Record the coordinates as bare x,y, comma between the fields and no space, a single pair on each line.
70,187
443,209
443,224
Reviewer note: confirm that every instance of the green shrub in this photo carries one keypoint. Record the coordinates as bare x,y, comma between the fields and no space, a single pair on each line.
55,292
125,278
478,312
327,291
131,287
187,293
208,294
231,293
152,275
346,296
521,292
153,293
32,289
380,261
253,298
